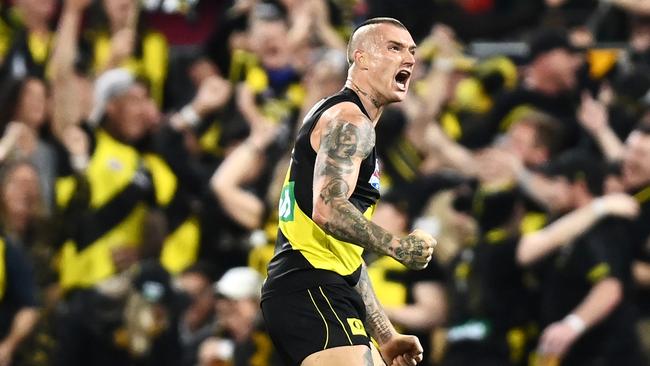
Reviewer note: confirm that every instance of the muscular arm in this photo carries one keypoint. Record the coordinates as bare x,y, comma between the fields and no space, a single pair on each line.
343,145
379,327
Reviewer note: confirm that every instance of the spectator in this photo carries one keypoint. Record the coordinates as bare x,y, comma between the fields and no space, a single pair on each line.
198,321
488,296
271,90
584,304
244,197
636,179
24,105
240,337
26,38
129,321
548,85
19,307
122,40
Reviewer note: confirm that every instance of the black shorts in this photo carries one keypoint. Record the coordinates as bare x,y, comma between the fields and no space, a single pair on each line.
304,322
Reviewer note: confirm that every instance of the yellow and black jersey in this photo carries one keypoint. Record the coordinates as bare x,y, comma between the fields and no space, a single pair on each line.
568,276
150,59
22,51
305,254
119,192
279,93
490,304
122,184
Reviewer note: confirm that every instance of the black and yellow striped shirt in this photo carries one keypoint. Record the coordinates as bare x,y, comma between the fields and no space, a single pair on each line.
305,254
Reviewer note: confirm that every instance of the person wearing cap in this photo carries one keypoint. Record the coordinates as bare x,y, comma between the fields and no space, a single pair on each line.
548,84
584,262
240,337
127,162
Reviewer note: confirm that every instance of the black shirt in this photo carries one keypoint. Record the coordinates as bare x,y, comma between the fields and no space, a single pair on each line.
20,287
569,276
640,232
562,106
488,299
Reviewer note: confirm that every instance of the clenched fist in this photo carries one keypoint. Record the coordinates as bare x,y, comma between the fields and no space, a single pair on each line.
414,250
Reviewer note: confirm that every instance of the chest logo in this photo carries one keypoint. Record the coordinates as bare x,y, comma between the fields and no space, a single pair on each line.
375,177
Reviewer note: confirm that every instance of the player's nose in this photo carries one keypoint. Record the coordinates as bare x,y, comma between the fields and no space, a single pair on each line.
408,59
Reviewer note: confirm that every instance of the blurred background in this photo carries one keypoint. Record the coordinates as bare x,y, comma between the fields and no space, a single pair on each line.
144,144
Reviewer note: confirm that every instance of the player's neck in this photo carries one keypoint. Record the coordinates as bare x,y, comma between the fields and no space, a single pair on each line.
371,103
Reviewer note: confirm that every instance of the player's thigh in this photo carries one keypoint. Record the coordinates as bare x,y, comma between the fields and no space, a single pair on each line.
347,355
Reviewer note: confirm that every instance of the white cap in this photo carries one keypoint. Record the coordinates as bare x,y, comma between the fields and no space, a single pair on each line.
109,84
240,283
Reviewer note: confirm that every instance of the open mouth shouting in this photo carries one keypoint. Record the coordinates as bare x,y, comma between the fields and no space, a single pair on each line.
402,78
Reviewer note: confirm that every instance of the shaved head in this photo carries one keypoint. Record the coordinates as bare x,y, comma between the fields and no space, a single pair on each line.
366,31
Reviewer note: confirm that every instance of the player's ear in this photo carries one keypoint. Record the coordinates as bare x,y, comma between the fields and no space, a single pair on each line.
361,60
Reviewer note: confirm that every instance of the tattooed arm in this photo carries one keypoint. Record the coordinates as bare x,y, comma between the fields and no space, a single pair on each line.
379,327
393,344
345,141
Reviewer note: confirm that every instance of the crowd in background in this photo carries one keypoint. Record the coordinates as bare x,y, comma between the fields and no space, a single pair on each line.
144,144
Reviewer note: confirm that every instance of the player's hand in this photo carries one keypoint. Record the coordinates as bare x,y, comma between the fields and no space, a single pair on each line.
402,350
619,204
415,250
557,338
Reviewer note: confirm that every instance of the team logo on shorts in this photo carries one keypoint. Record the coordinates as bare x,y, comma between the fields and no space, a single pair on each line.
357,327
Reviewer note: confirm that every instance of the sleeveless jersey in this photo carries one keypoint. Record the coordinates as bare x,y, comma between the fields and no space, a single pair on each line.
305,254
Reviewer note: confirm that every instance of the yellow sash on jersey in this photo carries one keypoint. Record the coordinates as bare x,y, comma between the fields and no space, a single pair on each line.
111,169
181,246
320,249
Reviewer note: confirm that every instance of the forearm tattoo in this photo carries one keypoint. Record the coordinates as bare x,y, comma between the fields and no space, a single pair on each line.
377,322
341,143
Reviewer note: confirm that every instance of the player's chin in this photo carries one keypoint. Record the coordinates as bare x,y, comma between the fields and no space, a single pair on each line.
398,94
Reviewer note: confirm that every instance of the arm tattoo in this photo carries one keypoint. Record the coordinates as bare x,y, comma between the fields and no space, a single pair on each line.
410,249
342,142
377,322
